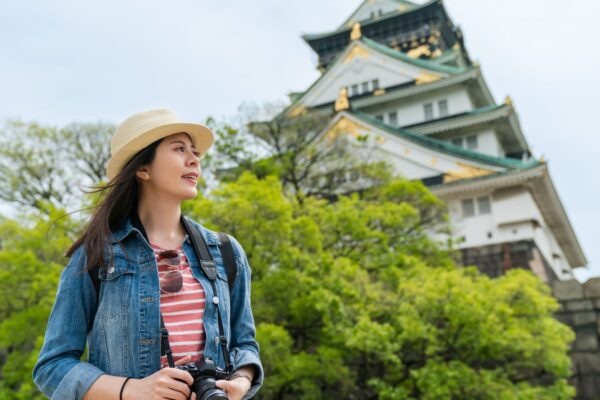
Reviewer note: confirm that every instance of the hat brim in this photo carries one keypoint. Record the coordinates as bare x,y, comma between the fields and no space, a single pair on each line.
202,139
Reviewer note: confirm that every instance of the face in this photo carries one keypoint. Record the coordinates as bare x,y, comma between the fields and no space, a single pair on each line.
175,169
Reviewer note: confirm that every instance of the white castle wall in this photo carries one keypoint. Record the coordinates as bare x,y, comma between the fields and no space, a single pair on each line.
411,110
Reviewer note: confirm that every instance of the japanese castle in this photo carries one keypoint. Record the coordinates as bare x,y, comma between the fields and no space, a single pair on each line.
398,73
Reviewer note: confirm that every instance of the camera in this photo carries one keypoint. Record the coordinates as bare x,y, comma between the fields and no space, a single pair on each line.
205,374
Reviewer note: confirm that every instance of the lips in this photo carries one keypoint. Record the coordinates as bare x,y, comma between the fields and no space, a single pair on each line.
192,178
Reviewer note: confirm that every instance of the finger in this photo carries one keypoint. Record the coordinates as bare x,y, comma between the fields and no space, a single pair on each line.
184,360
193,396
168,393
179,375
173,385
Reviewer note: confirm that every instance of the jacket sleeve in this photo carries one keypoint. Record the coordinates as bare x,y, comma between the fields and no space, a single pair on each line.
244,346
58,372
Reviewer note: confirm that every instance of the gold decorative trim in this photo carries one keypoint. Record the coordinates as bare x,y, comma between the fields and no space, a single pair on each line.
426,78
348,127
465,171
356,33
297,110
356,52
379,92
342,102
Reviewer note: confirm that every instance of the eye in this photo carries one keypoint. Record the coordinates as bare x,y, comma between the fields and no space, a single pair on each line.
181,148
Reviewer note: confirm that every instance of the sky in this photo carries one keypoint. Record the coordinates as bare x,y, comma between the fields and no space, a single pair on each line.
64,60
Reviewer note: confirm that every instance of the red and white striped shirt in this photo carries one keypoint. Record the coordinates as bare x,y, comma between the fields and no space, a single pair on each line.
182,312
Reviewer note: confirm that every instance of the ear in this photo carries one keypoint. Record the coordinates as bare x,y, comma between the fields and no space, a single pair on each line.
142,173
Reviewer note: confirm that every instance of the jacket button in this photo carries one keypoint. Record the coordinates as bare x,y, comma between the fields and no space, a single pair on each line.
215,300
111,269
216,340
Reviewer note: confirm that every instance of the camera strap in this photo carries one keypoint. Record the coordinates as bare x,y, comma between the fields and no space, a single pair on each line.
165,347
209,268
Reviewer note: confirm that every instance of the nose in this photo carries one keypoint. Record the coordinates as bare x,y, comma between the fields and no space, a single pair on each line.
192,159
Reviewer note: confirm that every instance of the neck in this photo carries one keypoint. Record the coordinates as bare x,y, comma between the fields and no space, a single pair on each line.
161,221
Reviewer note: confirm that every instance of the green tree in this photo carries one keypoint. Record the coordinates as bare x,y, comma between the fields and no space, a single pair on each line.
353,299
31,258
266,142
41,165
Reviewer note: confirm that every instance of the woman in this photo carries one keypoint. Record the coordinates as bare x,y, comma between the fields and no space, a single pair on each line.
149,271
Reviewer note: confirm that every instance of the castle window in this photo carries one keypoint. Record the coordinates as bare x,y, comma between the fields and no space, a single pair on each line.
375,84
354,90
443,108
393,118
379,117
483,205
457,141
472,142
428,110
468,208
365,87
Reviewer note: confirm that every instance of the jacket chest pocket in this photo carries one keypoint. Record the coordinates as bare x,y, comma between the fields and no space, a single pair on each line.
116,285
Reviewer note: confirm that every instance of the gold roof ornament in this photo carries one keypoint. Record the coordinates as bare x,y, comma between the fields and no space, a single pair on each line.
417,52
426,78
356,33
436,53
508,101
342,102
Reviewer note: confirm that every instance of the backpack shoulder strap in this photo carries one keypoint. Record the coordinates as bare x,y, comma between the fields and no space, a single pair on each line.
226,249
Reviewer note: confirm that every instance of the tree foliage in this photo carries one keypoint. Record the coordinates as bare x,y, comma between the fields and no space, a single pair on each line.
354,300
46,165
267,142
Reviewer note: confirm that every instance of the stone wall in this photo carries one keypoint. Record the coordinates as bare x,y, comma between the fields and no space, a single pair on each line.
580,309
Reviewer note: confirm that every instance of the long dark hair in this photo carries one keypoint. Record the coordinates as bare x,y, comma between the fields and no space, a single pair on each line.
116,202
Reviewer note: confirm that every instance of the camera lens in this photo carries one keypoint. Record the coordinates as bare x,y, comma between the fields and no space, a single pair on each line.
208,391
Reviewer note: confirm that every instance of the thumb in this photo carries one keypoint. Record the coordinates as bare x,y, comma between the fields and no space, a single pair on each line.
223,384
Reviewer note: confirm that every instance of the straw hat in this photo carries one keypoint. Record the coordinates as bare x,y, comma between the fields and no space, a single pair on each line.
140,130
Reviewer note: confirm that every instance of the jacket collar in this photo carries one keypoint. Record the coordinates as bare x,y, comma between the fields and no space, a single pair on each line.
133,224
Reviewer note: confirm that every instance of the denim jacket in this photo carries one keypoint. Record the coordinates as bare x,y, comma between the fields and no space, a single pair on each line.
123,331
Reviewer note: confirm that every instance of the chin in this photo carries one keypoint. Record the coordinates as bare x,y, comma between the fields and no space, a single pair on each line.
190,194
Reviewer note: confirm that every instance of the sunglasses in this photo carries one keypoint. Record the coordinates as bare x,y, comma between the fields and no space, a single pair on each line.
172,281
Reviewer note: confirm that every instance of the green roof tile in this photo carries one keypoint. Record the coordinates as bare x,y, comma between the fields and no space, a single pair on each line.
447,69
445,147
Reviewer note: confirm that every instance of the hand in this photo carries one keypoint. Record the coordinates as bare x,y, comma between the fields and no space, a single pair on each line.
167,383
235,388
